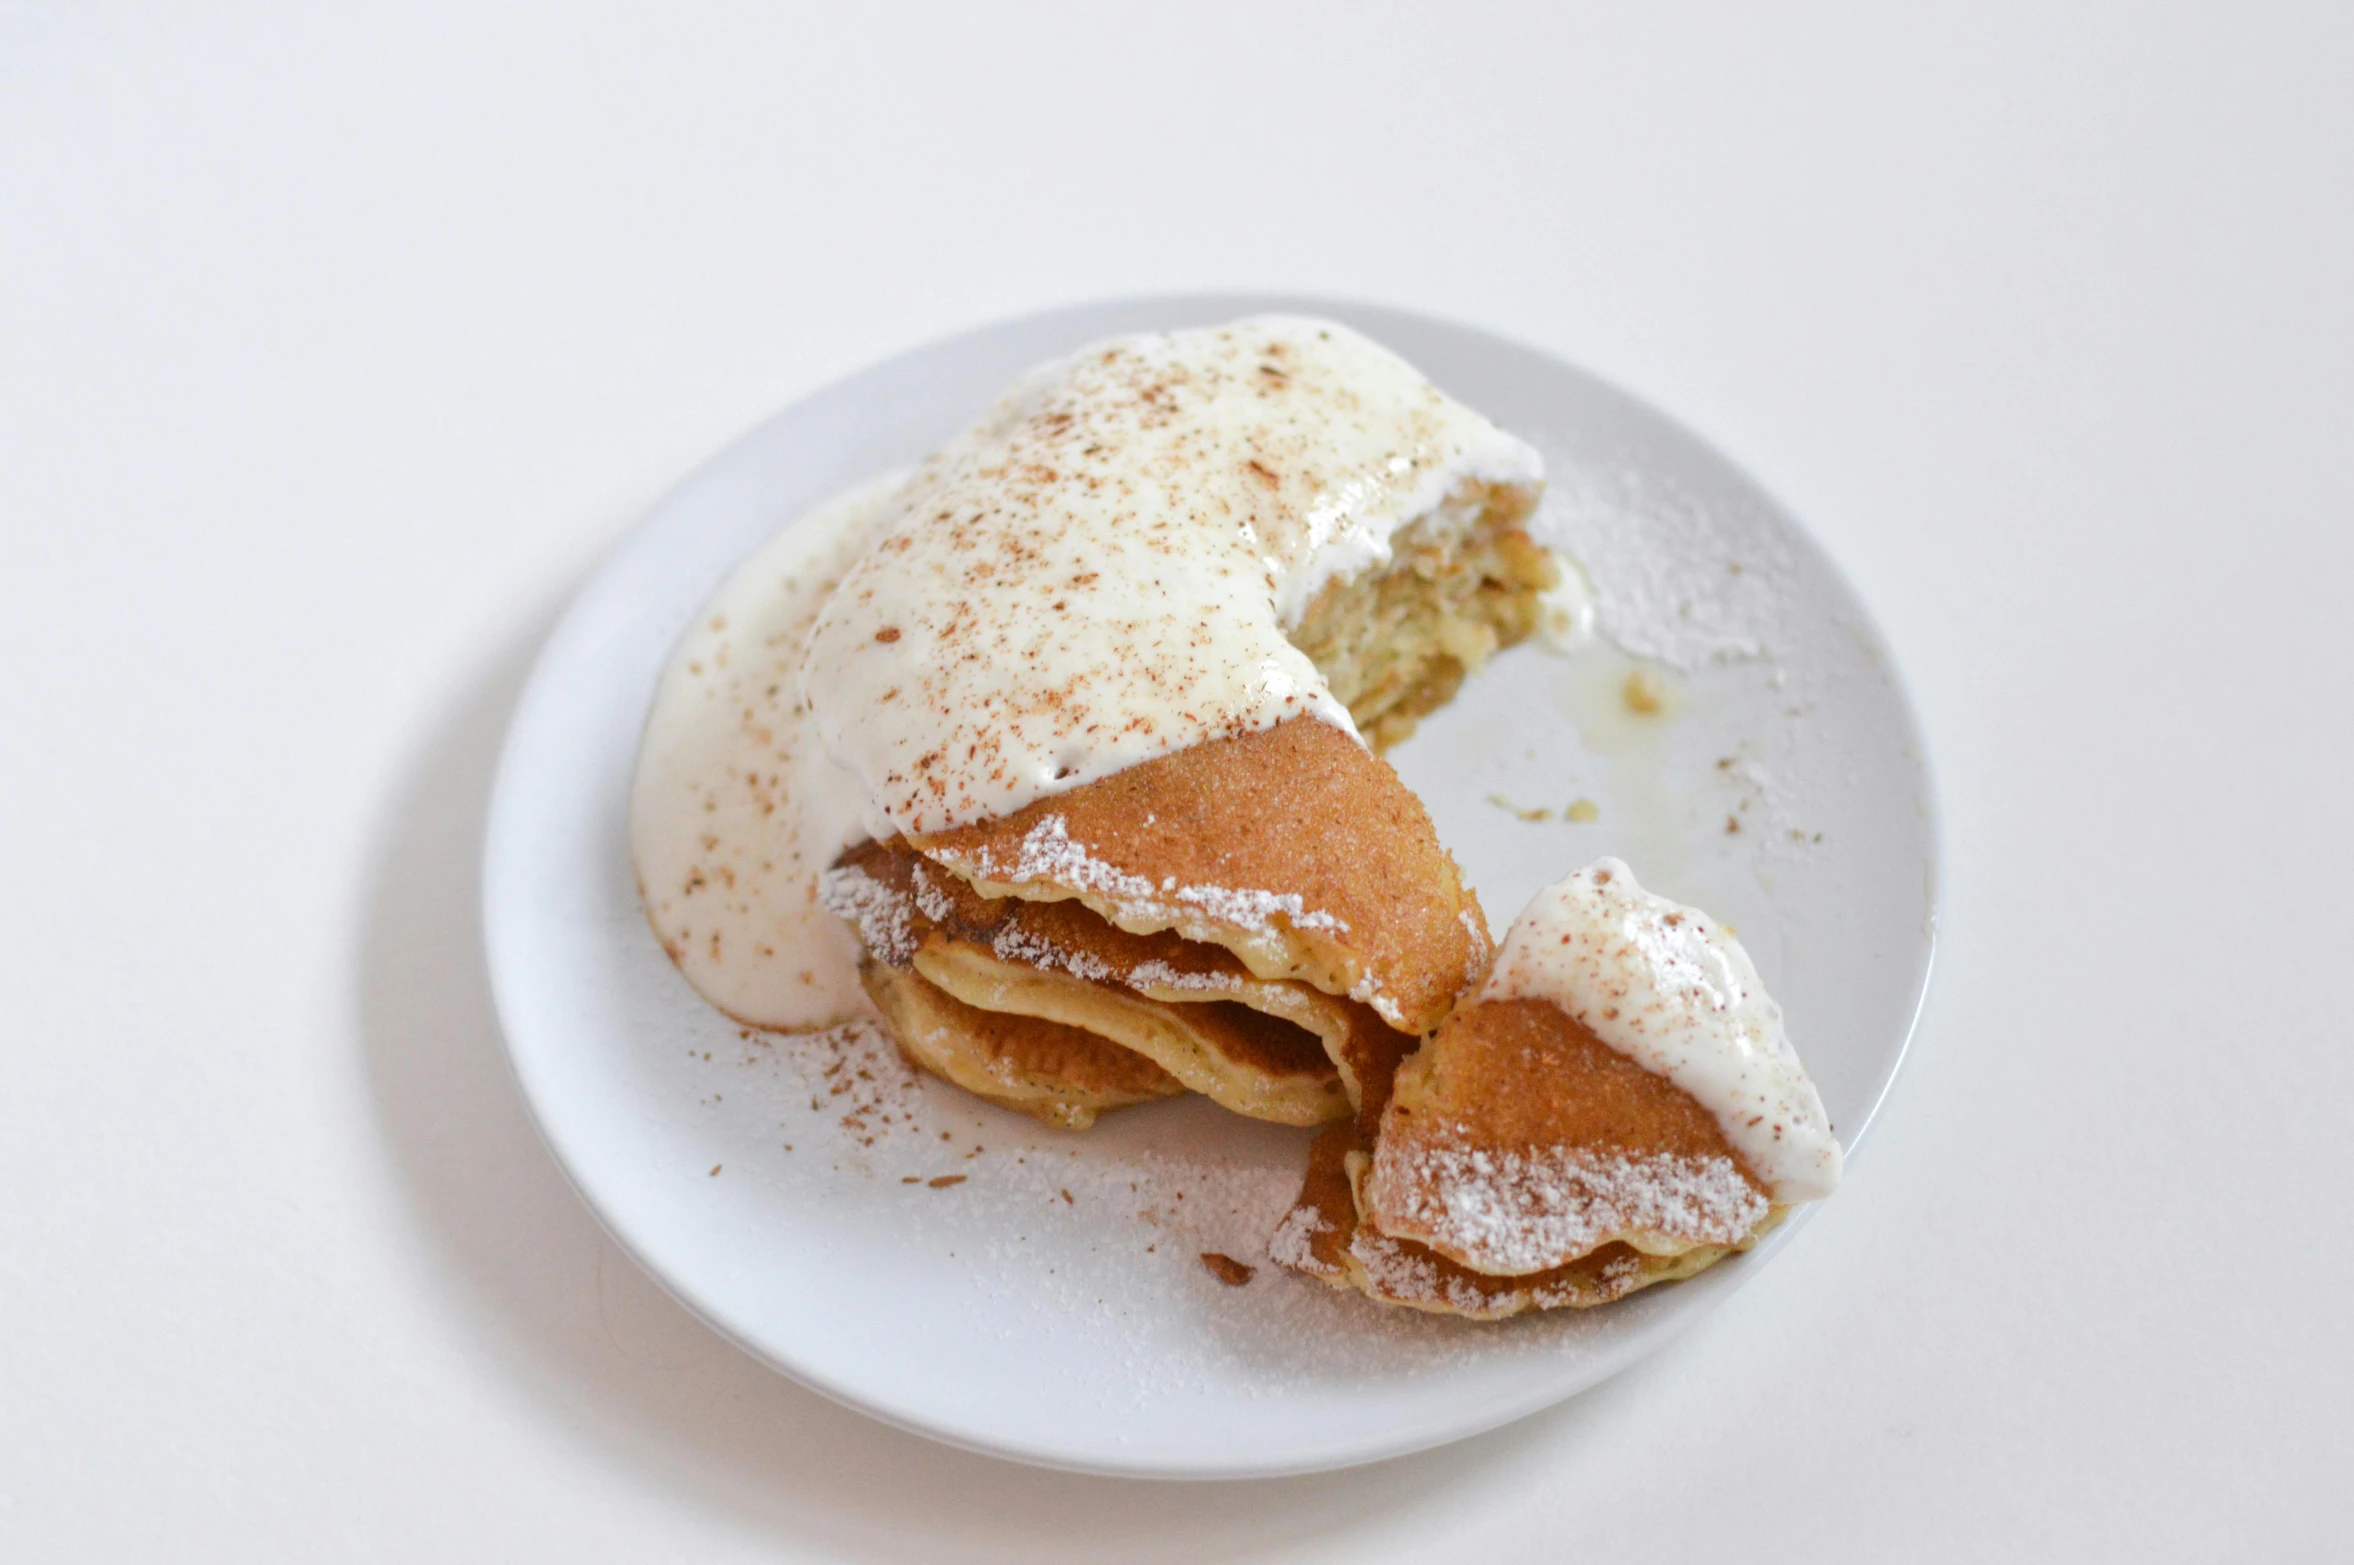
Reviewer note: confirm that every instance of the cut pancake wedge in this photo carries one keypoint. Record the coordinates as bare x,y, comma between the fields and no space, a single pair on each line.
1463,581
1522,1164
1516,1142
1240,1058
1273,1050
1325,1236
1293,847
1062,1075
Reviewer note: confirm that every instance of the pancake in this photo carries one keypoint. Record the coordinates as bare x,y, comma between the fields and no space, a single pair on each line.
1273,1050
1325,1237
1245,1060
1292,847
1132,641
1064,1076
1165,540
1516,1143
1396,644
1617,1107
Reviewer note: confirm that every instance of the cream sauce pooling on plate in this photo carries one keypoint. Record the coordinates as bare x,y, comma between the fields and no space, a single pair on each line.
1102,571
1668,987
735,809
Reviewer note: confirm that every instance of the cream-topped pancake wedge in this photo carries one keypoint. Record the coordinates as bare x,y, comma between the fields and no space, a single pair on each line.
1616,1106
1113,565
1109,567
1672,989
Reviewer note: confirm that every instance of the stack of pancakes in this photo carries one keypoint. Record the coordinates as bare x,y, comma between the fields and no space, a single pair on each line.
1266,919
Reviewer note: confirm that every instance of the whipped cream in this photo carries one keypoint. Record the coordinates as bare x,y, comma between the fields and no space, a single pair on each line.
1103,570
735,809
1669,988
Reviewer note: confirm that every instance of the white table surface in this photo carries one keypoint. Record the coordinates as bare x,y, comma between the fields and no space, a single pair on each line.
335,347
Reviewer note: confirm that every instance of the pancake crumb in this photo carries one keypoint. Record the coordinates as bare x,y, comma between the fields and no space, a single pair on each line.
1583,811
1645,693
1227,1269
945,1180
1509,808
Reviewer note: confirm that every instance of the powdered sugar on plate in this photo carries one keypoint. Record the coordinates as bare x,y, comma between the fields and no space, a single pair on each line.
1058,1237
861,1088
1683,581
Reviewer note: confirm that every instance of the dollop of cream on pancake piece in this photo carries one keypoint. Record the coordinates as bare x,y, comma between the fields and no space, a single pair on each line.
1671,989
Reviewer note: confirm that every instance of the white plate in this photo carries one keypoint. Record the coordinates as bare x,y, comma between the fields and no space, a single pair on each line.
1084,1332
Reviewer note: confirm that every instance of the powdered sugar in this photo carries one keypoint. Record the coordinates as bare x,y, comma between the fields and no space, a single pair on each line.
1476,961
929,897
1293,1242
1255,909
1160,975
883,915
1685,581
1511,1213
858,1081
1402,1274
1017,945
1049,855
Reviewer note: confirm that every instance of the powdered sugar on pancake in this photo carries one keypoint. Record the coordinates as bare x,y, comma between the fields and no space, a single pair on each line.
1050,856
1292,1245
1399,1272
1511,1213
883,915
1160,975
1015,944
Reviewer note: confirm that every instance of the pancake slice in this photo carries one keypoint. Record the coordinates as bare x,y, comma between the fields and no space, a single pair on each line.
1517,1142
1325,1237
1242,1059
1272,1050
1062,1075
1069,938
1293,847
1621,1106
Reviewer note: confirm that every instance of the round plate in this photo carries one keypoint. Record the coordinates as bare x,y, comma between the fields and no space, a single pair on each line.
969,1274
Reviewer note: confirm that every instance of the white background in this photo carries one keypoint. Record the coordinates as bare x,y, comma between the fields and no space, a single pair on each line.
335,347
